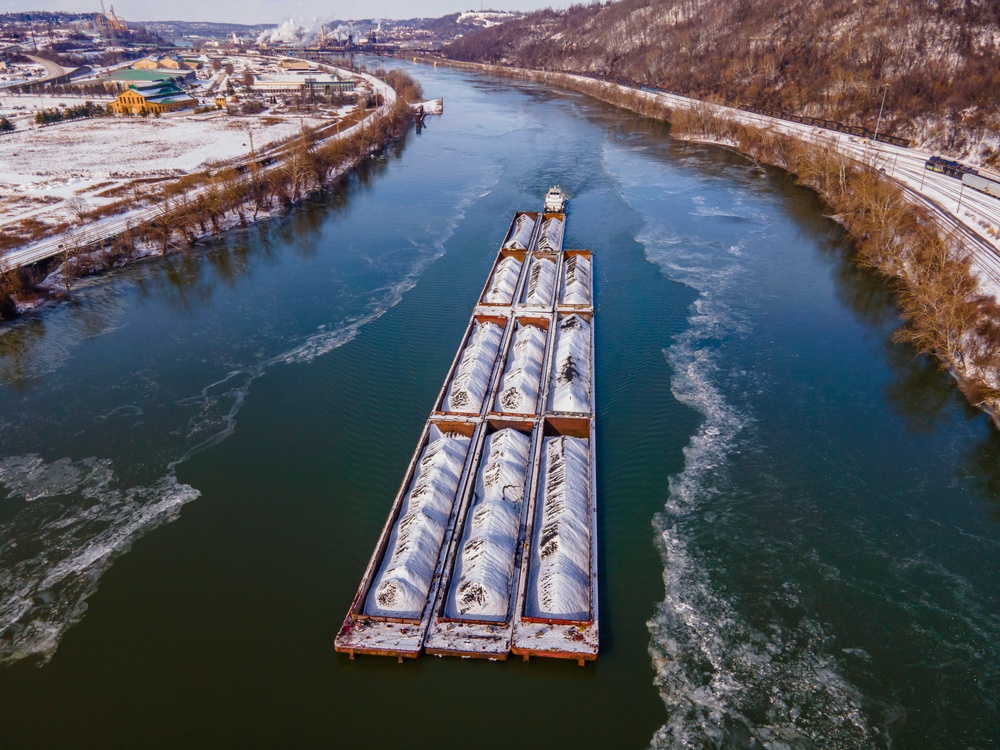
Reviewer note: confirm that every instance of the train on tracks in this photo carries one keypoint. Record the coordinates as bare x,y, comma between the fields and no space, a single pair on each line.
818,122
968,175
855,130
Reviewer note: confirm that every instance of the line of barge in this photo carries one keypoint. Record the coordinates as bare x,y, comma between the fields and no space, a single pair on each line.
490,547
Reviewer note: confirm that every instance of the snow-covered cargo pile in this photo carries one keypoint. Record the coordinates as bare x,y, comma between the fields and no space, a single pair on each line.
570,389
576,279
520,233
484,570
503,282
472,377
518,393
551,235
541,282
559,580
404,580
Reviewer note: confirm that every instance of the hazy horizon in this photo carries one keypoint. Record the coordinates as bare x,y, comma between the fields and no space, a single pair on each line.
273,11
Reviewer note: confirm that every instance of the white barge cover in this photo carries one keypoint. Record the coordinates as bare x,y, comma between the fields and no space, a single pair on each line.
520,235
551,235
570,389
404,580
559,579
472,377
504,280
518,393
576,272
541,282
480,588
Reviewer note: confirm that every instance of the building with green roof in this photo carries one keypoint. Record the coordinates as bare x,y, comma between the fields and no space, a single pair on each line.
152,97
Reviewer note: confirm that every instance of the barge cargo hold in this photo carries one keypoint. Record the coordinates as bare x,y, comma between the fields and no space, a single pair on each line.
490,547
557,604
474,612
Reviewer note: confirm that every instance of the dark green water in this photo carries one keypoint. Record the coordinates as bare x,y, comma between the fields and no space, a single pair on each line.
799,521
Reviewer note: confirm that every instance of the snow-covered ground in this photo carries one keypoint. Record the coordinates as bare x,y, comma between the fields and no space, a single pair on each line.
22,73
44,196
42,167
15,105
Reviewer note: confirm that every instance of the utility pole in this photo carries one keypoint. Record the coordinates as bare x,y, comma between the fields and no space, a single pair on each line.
879,122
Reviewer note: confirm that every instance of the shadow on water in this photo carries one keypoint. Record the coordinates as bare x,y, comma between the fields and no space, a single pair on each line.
17,345
981,467
183,280
919,390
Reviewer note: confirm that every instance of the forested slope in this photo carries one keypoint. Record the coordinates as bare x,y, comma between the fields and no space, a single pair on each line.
824,58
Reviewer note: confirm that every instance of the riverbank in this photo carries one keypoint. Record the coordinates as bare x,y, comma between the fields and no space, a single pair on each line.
185,216
946,312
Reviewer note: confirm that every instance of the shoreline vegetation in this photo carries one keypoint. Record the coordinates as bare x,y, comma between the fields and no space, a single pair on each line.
945,314
184,215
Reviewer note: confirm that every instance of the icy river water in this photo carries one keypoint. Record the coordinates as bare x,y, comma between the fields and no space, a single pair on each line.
799,520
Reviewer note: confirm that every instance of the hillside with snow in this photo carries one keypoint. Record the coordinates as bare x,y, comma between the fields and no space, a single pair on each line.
831,58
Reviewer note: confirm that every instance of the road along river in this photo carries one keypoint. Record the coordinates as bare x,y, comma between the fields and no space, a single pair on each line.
799,520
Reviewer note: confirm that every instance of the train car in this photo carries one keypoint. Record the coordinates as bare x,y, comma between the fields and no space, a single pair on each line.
837,127
982,184
949,167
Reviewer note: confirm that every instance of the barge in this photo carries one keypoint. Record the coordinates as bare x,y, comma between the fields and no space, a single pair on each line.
490,546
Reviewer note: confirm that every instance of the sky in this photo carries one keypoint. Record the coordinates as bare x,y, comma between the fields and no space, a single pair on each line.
274,11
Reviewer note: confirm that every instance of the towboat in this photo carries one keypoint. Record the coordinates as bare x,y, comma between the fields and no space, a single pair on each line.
555,199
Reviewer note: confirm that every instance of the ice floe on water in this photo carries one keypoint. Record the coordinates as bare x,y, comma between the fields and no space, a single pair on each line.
725,681
63,522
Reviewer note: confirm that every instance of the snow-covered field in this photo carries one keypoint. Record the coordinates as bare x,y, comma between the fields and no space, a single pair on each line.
42,167
21,105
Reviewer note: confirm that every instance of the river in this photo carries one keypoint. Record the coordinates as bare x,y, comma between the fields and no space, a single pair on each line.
799,520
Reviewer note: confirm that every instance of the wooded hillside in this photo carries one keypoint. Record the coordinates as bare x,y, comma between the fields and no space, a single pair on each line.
822,58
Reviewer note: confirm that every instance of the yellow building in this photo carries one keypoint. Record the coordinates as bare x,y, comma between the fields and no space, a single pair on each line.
153,97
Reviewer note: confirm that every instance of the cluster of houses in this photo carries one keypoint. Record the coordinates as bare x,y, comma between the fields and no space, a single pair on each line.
155,85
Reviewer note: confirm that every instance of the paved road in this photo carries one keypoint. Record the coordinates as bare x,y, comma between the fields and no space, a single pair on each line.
52,70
